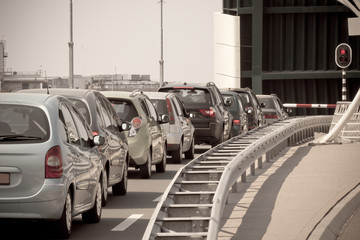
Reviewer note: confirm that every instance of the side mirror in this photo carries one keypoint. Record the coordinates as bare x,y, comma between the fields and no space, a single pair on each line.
99,140
125,126
164,118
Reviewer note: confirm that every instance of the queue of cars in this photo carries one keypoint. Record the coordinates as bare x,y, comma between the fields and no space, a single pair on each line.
61,149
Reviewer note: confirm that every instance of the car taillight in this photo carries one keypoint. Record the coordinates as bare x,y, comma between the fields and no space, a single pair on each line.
236,122
95,133
271,115
208,112
53,163
170,111
136,122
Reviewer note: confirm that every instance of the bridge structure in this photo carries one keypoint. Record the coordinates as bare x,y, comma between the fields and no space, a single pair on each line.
196,203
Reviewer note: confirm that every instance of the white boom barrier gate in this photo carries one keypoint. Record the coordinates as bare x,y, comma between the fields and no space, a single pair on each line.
292,131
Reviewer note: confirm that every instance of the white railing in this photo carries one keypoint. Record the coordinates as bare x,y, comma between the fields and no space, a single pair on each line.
297,131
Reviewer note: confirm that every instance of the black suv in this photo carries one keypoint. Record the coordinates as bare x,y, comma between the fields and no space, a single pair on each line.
251,105
209,114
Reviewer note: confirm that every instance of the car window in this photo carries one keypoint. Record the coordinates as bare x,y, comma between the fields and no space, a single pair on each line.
255,100
144,107
24,120
112,115
246,100
233,107
124,109
105,115
269,103
152,109
80,125
218,96
70,127
160,105
192,97
83,108
178,107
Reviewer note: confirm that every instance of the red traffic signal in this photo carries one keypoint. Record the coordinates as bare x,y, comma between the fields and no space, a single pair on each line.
343,55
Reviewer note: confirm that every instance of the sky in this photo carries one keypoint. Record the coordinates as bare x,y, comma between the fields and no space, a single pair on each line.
111,36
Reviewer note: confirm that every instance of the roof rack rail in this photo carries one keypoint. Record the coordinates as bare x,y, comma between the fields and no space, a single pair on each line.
135,92
164,83
210,84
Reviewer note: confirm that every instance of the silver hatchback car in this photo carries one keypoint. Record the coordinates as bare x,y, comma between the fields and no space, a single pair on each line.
50,165
180,131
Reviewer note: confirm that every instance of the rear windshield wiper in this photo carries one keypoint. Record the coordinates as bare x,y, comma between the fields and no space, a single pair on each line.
18,137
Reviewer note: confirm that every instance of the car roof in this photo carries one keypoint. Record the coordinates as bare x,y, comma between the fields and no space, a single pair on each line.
158,95
186,84
24,98
122,94
61,91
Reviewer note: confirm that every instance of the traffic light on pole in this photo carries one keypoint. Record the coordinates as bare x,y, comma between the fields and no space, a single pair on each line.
343,55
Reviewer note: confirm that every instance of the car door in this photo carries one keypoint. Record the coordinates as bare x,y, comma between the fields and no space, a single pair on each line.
155,130
185,123
112,147
79,156
224,112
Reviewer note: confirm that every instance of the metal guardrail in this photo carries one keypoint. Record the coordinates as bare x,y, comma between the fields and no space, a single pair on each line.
192,205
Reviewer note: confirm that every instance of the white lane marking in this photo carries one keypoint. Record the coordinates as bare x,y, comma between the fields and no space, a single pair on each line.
127,223
157,199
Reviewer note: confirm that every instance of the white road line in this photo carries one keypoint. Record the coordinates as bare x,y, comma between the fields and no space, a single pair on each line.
127,223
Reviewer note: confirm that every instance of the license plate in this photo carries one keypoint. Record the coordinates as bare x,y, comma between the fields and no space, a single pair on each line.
4,178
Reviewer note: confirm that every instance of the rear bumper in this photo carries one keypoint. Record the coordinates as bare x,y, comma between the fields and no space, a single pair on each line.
208,135
47,204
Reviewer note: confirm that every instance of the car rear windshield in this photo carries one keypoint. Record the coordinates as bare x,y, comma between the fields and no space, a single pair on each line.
192,97
124,109
233,107
160,106
269,103
246,100
19,123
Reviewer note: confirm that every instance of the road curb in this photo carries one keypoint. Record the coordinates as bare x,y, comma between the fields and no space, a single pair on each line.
332,223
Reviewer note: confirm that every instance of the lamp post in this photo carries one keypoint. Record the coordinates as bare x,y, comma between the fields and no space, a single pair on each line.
71,50
161,52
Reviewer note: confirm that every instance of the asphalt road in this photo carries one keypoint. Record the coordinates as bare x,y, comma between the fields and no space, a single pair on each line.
124,217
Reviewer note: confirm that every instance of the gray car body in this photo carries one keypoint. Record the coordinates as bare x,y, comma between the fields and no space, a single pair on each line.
29,194
180,129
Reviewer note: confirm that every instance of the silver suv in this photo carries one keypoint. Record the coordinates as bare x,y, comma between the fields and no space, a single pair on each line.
179,129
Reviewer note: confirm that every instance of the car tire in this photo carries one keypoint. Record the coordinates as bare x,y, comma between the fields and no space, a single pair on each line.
145,169
105,189
161,167
176,156
93,215
63,226
190,154
121,187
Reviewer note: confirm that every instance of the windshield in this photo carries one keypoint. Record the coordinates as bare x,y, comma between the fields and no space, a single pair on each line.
269,103
192,97
124,109
23,123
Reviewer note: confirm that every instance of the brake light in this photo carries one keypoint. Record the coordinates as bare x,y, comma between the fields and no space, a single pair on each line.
136,122
95,133
170,111
236,122
271,115
208,112
53,163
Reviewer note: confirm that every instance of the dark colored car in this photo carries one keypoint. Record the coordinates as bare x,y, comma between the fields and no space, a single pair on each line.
236,108
103,121
272,107
251,106
210,116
